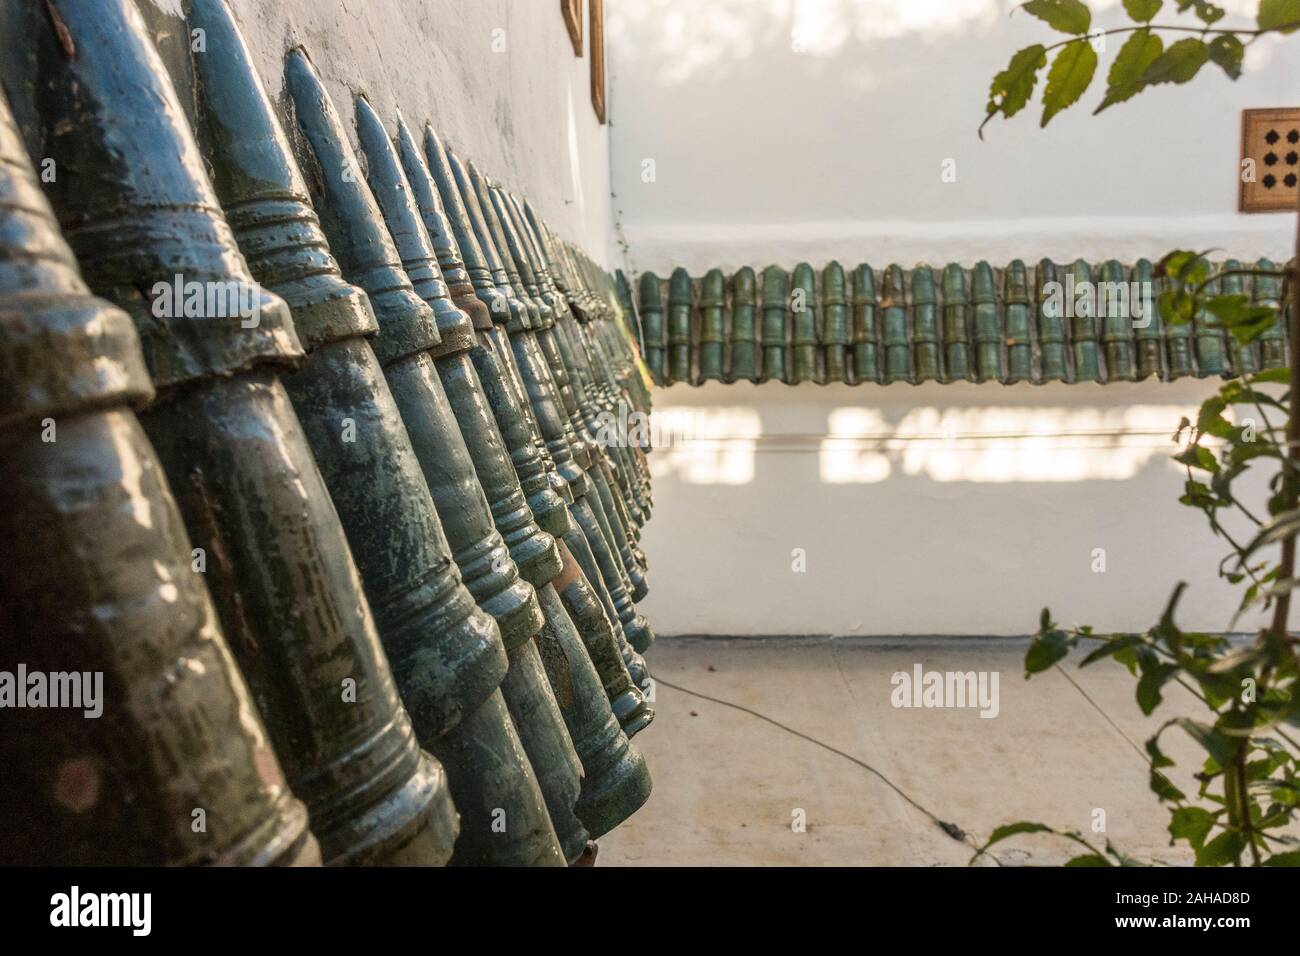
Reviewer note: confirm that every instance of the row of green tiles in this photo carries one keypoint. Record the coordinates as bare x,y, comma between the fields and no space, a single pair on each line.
1041,323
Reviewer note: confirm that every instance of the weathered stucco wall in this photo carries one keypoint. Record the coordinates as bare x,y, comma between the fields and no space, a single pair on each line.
498,78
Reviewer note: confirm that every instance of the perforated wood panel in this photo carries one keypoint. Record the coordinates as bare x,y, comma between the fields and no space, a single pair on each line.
1271,139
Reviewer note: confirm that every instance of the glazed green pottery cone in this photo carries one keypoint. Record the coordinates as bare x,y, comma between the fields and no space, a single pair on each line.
1116,311
923,313
365,245
504,820
149,232
531,548
1051,328
580,600
894,334
652,322
986,318
491,360
776,305
804,313
168,736
408,329
835,324
867,364
956,321
446,652
1084,325
680,306
547,409
746,360
616,781
1019,323
532,704
609,772
1147,330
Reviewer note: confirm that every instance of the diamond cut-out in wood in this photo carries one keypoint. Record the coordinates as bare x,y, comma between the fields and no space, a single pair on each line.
1270,165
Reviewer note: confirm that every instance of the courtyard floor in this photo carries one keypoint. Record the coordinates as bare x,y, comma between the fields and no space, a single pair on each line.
730,788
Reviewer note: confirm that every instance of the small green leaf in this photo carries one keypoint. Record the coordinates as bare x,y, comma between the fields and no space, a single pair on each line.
1257,770
1137,54
1167,629
1088,859
1178,64
1153,752
1273,376
1071,72
1012,829
1223,849
1197,494
1279,14
1283,525
1162,787
1290,858
1285,796
1210,420
1154,677
1012,88
1046,650
1208,12
1186,265
1217,745
1171,607
1172,262
1226,50
1158,758
1228,307
1194,270
1176,306
1129,658
1067,16
1192,824
1111,647
1141,11
1198,457
1246,322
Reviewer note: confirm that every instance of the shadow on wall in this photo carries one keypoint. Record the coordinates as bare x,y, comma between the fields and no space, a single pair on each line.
953,509
864,445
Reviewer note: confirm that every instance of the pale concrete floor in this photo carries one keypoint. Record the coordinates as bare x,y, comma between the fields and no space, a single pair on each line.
727,785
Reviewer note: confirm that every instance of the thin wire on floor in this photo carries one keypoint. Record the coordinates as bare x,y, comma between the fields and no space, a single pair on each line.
951,829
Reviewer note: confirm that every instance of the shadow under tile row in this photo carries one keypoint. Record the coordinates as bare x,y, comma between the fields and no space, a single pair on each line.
1049,322
306,461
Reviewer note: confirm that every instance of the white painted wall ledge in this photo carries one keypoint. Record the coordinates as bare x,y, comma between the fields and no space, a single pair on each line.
661,247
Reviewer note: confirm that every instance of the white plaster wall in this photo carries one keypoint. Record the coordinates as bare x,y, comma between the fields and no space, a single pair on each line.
784,130
523,114
931,509
788,130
